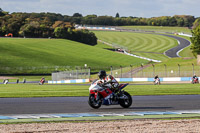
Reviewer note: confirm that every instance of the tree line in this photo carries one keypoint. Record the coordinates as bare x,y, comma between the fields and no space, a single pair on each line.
55,24
195,39
43,25
177,20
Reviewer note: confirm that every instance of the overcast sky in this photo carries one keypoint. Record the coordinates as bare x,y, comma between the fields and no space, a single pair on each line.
135,8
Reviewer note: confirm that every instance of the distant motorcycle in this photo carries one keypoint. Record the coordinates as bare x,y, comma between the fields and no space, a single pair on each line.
195,80
5,81
157,81
103,95
42,81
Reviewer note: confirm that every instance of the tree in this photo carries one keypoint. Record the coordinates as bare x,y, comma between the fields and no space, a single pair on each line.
196,23
58,32
172,21
104,20
2,13
77,15
195,39
180,22
117,15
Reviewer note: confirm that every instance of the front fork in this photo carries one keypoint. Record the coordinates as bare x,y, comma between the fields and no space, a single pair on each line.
121,95
96,95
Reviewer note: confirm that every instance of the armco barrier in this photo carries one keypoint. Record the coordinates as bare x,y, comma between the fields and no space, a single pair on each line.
182,34
95,28
152,79
69,81
125,80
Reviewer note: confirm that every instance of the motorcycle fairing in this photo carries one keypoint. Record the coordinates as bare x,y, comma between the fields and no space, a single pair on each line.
121,86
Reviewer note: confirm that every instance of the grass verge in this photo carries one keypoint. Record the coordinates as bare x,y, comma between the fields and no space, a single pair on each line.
35,90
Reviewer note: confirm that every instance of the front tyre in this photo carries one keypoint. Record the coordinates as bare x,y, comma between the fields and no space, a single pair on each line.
93,102
126,100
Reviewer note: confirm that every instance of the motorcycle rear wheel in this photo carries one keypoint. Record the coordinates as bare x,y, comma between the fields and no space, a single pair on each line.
93,102
126,103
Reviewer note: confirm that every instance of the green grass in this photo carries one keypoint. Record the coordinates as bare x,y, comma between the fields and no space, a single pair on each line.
186,52
15,52
185,62
186,68
35,90
159,28
146,45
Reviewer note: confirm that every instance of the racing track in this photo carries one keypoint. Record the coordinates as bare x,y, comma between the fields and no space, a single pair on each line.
80,105
173,52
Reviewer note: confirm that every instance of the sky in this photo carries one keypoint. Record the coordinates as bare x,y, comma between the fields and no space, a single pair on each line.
125,8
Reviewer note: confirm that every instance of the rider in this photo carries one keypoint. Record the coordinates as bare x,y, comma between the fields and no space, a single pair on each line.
156,78
194,77
42,80
108,79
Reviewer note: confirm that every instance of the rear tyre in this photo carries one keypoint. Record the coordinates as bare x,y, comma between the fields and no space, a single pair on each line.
126,102
93,102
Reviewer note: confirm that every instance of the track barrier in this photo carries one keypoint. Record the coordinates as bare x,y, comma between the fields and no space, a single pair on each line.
152,79
69,81
179,79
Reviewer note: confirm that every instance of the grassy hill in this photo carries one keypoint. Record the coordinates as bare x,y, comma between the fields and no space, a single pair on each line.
146,45
36,53
20,52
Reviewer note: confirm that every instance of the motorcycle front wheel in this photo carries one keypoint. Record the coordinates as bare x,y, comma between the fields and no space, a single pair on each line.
93,102
126,101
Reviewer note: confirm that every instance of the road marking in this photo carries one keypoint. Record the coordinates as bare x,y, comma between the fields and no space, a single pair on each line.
40,116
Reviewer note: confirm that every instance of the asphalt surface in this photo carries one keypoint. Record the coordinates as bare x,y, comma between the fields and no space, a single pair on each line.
173,52
80,105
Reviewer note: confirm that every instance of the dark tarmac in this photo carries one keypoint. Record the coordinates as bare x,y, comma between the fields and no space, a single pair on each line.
173,52
79,105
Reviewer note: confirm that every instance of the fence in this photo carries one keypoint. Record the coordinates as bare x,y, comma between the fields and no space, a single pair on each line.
33,69
135,70
152,69
73,74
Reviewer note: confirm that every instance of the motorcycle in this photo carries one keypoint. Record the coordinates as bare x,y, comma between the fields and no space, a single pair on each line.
157,81
5,81
195,80
104,95
42,81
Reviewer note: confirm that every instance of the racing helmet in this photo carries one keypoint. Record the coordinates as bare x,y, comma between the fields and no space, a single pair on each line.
102,74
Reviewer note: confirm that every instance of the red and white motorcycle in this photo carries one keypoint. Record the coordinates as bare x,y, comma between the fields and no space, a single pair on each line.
103,95
42,81
157,81
195,80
